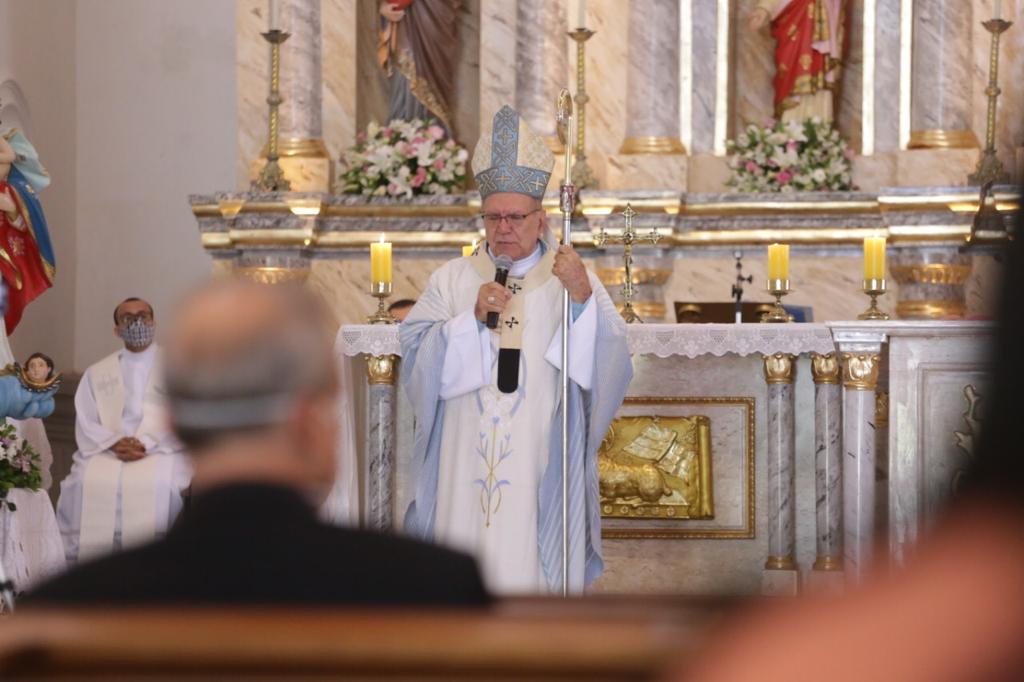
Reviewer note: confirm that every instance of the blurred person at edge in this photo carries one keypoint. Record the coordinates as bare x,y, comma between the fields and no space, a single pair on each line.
955,612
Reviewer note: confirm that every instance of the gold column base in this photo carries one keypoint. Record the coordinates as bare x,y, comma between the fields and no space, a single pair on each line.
272,275
943,139
305,147
828,563
780,563
930,310
650,144
650,311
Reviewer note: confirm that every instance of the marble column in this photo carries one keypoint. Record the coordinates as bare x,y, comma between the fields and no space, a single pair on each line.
932,281
704,28
940,108
780,568
382,371
860,379
542,59
828,460
652,85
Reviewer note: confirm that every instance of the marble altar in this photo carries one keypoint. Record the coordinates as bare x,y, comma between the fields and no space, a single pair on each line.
800,479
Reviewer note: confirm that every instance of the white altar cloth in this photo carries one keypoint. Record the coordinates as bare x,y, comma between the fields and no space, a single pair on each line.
30,544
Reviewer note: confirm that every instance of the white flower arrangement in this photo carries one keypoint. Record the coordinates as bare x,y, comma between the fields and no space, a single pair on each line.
790,157
19,465
403,159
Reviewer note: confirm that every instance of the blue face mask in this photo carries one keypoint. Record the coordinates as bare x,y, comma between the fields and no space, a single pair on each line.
137,334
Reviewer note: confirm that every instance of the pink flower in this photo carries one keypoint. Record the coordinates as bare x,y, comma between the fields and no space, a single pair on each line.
751,166
393,188
418,140
436,132
783,177
791,146
420,177
439,165
388,132
848,153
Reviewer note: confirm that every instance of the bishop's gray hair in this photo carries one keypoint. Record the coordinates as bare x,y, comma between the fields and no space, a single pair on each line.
249,381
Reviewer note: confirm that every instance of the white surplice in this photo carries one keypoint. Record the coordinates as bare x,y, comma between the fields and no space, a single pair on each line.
105,503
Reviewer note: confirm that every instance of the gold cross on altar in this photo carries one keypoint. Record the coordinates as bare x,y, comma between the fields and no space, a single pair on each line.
628,238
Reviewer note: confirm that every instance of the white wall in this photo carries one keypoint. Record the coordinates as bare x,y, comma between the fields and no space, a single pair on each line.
133,108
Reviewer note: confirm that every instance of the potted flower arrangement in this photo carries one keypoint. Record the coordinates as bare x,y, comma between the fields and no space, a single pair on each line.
19,465
401,160
790,157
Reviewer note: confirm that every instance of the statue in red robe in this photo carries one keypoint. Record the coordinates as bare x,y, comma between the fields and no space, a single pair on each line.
810,36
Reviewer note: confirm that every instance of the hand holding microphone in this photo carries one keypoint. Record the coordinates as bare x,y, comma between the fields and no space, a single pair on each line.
493,296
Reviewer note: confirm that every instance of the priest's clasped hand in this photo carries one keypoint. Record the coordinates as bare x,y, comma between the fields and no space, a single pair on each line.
569,269
129,449
491,298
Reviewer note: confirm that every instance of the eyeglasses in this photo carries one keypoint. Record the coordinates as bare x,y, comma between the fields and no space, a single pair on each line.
128,318
514,219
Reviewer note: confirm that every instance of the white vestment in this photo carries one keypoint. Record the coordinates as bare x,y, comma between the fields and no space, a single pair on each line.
494,446
105,503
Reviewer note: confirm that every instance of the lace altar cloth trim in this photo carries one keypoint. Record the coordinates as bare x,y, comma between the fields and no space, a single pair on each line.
31,548
663,340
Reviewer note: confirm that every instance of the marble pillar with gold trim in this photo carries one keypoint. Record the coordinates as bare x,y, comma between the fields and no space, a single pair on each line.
828,461
652,156
542,66
940,109
932,281
860,369
780,574
304,157
382,376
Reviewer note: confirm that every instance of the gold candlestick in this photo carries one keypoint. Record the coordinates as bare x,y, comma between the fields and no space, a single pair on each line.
778,288
874,288
381,290
628,238
582,175
989,168
271,178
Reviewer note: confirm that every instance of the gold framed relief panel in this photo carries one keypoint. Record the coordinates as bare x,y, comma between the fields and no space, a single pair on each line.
679,468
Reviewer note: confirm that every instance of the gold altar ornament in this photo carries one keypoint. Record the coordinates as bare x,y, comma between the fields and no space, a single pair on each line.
860,371
582,175
628,238
656,467
825,368
381,370
874,288
380,280
779,368
271,178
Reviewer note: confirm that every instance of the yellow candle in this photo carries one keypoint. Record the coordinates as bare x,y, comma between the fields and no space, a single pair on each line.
778,261
380,261
468,249
874,258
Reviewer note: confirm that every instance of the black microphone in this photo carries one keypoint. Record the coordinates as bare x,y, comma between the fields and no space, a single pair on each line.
502,264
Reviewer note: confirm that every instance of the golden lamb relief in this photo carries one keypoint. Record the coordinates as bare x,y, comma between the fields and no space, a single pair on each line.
657,467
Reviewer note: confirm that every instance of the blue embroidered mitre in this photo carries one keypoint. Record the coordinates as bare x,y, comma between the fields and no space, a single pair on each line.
511,157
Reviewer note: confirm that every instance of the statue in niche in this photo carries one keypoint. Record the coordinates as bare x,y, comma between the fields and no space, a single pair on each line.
417,46
810,37
26,255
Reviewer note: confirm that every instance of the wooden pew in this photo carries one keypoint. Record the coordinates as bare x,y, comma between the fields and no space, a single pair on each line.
532,639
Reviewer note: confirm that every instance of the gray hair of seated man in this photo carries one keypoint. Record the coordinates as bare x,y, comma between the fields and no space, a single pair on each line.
242,371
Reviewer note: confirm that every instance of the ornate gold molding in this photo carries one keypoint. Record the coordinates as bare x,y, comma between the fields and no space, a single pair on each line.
860,370
825,368
780,563
931,273
273,275
779,368
652,144
882,408
650,312
381,370
310,148
617,276
828,563
943,139
930,310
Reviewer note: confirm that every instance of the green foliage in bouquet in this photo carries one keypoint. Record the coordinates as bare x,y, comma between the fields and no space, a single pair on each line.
19,465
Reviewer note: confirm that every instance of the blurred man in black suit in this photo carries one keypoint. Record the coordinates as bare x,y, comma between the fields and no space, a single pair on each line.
252,386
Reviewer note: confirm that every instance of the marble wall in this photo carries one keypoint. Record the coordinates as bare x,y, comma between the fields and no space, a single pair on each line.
487,78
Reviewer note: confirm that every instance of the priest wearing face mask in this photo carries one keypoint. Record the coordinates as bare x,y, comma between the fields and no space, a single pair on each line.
128,474
487,460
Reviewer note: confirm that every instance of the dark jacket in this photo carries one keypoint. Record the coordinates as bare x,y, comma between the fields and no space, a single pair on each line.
262,544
